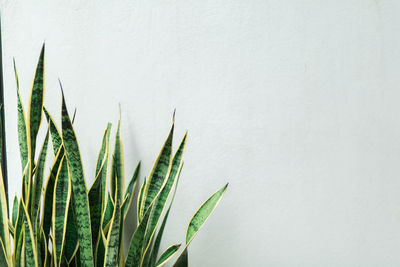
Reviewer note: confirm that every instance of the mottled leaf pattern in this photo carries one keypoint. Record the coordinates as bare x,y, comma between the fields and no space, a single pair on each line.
113,238
62,195
130,190
55,133
117,170
158,174
36,105
29,246
81,201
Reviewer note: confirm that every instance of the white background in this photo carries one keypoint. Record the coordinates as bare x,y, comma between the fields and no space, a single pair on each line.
295,103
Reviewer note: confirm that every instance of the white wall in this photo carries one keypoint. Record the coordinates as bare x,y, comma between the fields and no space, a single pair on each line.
295,103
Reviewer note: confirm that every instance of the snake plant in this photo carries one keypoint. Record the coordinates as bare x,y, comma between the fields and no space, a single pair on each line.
60,222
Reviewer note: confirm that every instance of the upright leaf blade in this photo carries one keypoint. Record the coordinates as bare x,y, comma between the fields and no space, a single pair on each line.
55,133
113,238
81,201
22,131
158,173
36,105
29,246
4,230
130,189
38,185
117,170
61,199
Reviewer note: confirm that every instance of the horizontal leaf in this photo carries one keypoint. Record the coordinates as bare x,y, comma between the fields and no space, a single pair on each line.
167,254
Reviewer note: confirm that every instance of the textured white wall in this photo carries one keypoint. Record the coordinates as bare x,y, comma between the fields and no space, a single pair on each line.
295,103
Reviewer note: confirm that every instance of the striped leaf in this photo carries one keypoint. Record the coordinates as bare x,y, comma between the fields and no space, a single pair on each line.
130,190
61,199
4,230
140,200
198,220
71,246
157,242
102,159
3,256
81,201
96,203
55,133
49,192
117,169
36,105
29,244
168,254
100,250
38,185
108,212
161,199
135,249
158,173
113,238
22,132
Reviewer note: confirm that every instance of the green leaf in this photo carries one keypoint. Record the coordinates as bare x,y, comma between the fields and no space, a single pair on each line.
130,190
197,221
117,169
38,185
100,250
108,212
81,201
4,230
22,132
30,251
61,199
3,256
95,204
168,254
36,105
158,173
55,133
161,199
136,244
113,238
15,211
157,242
49,192
102,159
140,200
71,246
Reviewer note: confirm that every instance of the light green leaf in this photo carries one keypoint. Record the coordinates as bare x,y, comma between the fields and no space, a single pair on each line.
197,221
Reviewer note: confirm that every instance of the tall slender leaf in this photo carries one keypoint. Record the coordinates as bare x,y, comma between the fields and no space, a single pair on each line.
113,238
4,230
36,105
158,173
130,189
22,132
117,170
61,199
29,246
81,201
55,133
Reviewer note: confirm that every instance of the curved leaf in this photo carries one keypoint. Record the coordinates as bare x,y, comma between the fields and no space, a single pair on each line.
4,230
168,254
117,169
55,133
130,190
113,238
197,221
